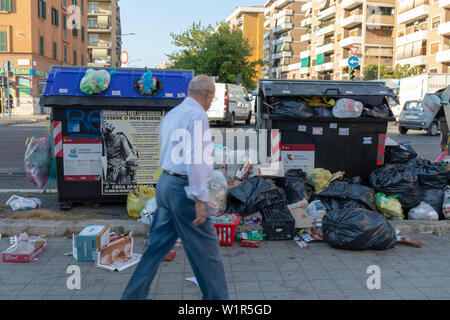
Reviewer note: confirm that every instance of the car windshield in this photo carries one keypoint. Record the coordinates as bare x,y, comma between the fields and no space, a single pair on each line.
414,106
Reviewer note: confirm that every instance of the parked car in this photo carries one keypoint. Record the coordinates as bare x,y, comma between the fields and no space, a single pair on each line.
231,103
396,109
413,117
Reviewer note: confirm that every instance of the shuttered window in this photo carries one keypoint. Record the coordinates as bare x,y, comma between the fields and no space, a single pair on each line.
3,41
42,9
5,5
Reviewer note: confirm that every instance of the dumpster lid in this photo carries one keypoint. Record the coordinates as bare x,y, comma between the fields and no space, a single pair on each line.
308,88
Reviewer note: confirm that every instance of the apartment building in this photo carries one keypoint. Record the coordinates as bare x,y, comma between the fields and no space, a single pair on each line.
282,40
34,35
337,29
251,21
423,34
105,33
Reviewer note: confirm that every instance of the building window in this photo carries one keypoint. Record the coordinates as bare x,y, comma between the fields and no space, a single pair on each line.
82,34
74,58
93,6
3,41
65,54
435,22
41,45
82,5
42,9
54,50
55,17
93,39
82,59
75,29
74,2
64,3
5,5
434,47
92,23
433,70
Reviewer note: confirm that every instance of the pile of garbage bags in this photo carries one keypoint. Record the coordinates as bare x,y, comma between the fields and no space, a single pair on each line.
95,81
328,108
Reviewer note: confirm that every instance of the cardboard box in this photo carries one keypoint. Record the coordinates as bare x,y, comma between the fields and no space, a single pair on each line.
89,240
298,210
117,255
10,256
275,169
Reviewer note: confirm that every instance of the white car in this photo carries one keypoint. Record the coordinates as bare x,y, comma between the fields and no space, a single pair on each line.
231,103
396,109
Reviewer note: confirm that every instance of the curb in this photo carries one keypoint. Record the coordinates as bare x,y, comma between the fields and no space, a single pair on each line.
60,228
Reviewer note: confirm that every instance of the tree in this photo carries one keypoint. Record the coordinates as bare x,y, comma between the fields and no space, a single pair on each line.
223,54
403,71
370,72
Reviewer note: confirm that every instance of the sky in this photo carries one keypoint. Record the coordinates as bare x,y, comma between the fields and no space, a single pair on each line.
154,20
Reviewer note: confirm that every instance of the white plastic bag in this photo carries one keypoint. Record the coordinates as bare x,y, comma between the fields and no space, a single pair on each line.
37,161
20,203
316,210
347,108
423,212
446,205
218,191
148,211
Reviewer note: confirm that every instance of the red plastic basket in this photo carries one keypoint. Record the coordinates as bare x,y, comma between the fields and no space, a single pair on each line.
227,231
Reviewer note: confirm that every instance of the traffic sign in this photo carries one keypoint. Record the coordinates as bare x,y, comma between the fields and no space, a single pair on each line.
354,50
353,62
124,57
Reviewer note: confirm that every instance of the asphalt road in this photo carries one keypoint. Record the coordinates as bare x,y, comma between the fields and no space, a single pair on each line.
13,137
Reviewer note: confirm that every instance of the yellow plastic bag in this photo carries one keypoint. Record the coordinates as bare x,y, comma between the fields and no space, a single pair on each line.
319,178
137,199
390,207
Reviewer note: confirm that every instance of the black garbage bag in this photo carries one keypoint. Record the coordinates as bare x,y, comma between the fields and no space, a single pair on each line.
435,198
430,174
399,154
292,108
364,195
330,204
336,190
323,112
358,229
254,194
381,111
397,180
352,204
296,187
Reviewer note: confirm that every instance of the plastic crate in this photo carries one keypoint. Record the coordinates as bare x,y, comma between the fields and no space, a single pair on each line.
227,231
278,223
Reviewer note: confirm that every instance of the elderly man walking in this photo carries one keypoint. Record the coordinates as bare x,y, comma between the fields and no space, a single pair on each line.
182,195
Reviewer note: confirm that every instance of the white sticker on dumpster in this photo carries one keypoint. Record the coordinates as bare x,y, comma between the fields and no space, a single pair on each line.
367,140
82,159
344,131
302,128
317,131
116,93
298,156
333,125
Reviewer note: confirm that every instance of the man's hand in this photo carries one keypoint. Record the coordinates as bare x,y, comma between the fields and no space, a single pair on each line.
201,213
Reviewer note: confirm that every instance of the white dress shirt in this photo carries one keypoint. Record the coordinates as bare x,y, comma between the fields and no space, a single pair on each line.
186,156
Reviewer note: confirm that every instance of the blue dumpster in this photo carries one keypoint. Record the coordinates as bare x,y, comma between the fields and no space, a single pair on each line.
106,145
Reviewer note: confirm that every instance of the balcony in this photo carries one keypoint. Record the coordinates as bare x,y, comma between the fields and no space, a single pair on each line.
326,30
413,37
413,61
444,29
305,70
239,22
324,49
444,4
283,54
100,29
266,47
283,28
266,71
350,4
417,13
283,13
306,37
306,22
343,63
306,6
305,54
327,13
99,12
352,21
329,66
443,56
282,40
350,41
267,24
266,35
100,45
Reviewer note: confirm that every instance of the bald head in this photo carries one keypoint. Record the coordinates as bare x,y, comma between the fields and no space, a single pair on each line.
202,89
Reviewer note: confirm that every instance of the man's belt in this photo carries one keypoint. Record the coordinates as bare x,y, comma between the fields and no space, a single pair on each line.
175,174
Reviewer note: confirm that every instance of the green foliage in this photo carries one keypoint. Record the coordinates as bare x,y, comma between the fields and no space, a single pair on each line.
406,71
370,72
224,53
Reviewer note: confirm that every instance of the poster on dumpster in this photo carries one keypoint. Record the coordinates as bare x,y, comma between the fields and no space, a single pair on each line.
82,159
298,156
131,150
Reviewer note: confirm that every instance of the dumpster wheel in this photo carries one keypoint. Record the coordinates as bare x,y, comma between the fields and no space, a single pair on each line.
65,206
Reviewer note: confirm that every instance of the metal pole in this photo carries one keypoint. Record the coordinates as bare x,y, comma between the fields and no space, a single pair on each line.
1,101
7,95
379,62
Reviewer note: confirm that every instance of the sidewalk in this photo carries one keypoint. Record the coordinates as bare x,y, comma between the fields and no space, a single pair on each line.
15,119
276,271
